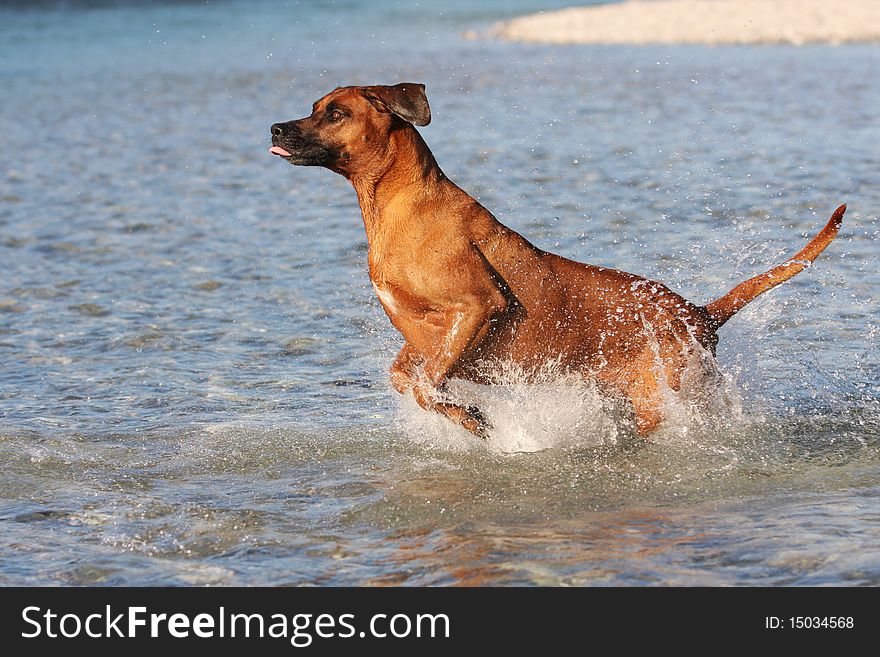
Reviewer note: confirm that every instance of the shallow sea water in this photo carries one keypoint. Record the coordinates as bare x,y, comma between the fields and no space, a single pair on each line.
193,378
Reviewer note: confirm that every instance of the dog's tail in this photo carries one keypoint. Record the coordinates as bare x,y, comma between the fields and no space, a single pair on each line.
727,306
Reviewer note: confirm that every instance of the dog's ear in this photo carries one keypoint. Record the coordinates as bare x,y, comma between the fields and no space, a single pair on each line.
407,100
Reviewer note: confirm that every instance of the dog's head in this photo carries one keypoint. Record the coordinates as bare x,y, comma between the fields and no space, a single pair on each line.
350,127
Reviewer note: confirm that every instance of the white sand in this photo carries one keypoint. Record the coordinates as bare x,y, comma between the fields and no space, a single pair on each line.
713,22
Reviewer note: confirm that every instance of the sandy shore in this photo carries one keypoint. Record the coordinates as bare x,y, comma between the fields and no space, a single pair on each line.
712,22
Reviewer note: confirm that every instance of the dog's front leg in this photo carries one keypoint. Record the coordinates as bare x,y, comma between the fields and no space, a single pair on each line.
405,379
467,326
403,369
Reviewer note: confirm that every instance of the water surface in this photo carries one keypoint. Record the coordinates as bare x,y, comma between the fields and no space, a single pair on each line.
193,367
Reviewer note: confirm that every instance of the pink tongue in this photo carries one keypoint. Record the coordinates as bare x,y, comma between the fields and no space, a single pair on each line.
277,150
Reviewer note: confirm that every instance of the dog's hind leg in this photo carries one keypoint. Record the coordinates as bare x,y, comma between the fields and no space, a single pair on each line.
646,404
640,386
640,383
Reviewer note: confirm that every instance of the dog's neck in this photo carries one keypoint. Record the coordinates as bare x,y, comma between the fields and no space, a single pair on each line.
404,178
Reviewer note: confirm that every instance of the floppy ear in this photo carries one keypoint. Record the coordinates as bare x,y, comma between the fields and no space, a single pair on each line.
407,100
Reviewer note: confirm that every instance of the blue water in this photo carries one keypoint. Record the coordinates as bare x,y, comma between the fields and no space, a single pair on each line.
193,367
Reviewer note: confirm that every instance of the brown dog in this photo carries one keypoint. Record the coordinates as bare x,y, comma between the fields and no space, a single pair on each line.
463,289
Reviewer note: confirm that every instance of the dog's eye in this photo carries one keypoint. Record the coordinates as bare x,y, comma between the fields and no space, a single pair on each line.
335,116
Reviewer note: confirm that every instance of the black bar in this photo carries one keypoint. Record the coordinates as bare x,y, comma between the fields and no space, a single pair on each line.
515,619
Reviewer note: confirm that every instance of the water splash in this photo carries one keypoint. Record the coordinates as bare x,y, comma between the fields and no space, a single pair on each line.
552,408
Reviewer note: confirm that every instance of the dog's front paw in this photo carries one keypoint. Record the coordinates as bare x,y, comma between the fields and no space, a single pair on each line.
477,423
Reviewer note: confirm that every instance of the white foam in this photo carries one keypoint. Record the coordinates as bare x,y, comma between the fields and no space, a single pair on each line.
552,409
527,413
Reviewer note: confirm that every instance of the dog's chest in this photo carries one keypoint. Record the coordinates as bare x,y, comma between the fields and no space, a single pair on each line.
386,298
406,310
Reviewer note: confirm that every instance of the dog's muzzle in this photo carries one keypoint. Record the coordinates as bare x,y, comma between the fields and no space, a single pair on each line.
289,142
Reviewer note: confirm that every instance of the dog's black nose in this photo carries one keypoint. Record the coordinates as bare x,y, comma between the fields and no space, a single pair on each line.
278,130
